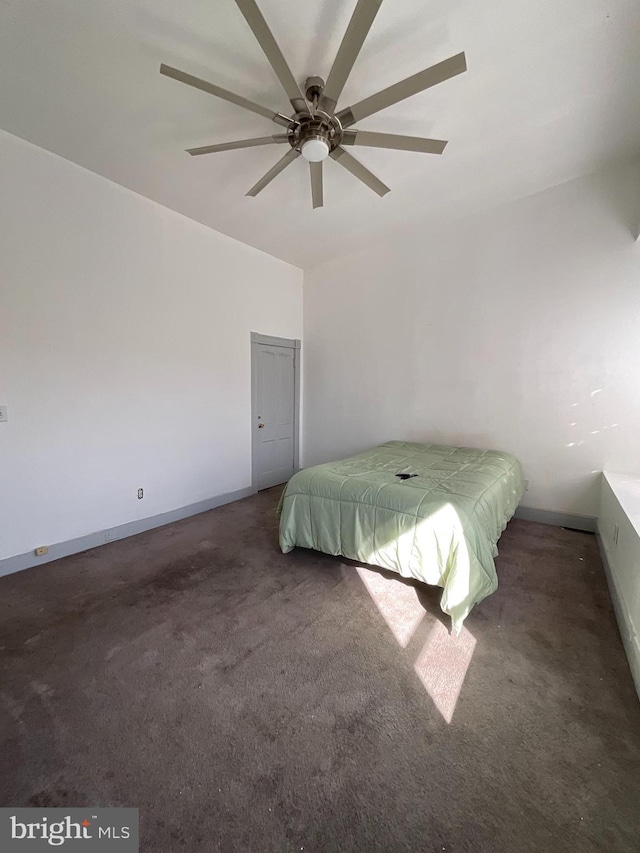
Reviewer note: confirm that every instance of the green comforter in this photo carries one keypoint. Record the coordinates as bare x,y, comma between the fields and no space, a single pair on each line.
440,526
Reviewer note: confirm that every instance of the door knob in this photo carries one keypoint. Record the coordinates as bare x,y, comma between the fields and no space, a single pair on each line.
260,426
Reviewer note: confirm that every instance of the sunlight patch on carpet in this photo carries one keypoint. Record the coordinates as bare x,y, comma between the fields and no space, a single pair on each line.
442,666
397,603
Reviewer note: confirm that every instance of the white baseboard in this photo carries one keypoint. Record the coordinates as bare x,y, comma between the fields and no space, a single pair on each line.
559,519
122,531
629,637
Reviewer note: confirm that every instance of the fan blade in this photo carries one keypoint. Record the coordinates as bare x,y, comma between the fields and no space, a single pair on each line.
405,89
288,158
316,184
356,33
242,143
265,38
359,171
212,89
371,139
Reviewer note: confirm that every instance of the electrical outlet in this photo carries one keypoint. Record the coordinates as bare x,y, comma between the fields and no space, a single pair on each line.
616,531
43,549
526,485
140,494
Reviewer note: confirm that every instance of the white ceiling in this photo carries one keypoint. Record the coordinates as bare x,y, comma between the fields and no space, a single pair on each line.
551,92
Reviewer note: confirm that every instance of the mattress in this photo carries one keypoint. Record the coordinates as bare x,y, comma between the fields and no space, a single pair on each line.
439,522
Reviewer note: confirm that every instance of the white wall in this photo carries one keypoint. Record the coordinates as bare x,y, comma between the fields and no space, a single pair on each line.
517,329
620,505
124,351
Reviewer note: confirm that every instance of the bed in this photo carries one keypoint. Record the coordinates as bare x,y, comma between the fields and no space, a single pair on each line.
439,521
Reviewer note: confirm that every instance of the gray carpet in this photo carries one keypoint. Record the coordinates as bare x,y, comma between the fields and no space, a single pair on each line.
246,700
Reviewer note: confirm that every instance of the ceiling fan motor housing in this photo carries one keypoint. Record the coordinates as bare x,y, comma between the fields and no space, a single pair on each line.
315,136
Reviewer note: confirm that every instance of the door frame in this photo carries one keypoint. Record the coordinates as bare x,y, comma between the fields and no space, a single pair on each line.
295,345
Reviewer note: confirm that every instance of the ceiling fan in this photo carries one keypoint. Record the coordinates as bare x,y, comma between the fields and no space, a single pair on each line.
315,129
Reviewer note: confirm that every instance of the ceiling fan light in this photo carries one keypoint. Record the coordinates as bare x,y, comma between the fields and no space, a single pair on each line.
315,150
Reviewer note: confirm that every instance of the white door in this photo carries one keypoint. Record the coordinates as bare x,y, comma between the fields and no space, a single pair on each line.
274,414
